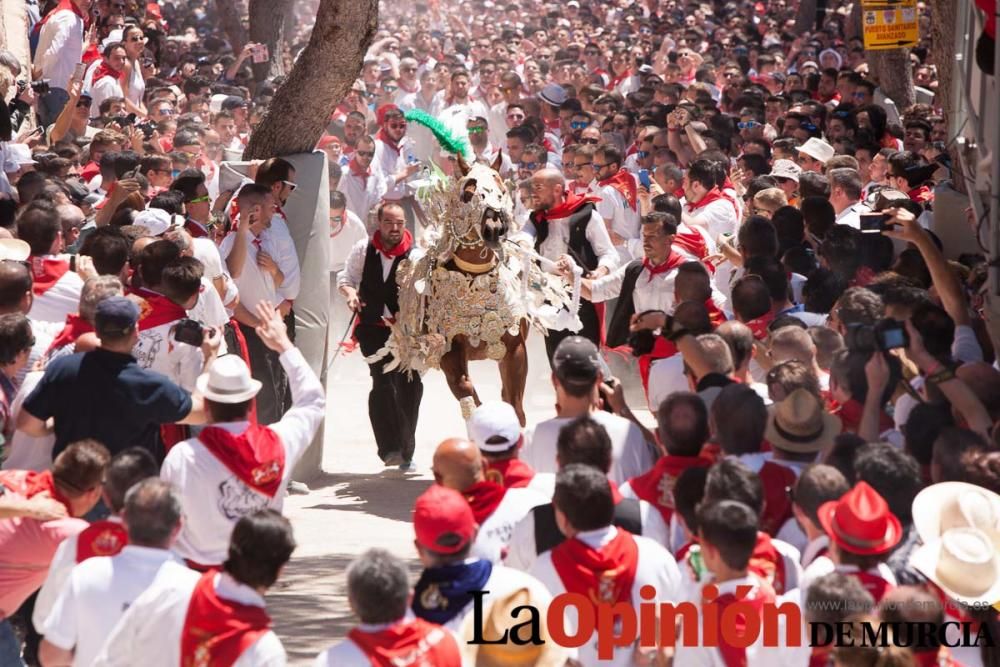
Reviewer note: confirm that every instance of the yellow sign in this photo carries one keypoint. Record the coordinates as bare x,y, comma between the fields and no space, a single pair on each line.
890,25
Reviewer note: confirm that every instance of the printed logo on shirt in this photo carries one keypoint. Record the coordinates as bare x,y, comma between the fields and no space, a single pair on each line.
237,500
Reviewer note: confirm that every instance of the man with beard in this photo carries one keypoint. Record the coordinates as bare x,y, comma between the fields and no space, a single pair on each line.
395,159
567,229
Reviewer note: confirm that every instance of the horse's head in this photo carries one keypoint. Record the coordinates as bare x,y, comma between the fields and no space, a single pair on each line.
482,185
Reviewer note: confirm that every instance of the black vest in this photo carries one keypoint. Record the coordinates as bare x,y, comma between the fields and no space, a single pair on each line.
618,332
579,247
374,292
548,535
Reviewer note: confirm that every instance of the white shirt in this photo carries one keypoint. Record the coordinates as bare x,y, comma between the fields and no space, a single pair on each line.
149,633
214,498
523,551
60,47
494,534
158,350
254,283
209,309
656,568
102,89
851,216
352,231
813,550
718,217
353,269
289,262
652,292
631,455
27,452
388,161
556,244
59,300
363,194
96,594
613,207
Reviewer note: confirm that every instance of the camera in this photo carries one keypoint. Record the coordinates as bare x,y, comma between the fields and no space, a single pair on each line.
874,223
40,87
884,335
147,128
190,332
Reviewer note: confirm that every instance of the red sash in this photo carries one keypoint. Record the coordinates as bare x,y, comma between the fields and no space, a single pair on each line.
759,325
850,416
103,70
156,309
46,272
873,583
567,207
775,478
713,195
625,185
397,250
75,327
484,497
656,486
734,656
662,349
256,456
101,538
511,473
672,261
29,484
413,643
602,575
216,632
767,562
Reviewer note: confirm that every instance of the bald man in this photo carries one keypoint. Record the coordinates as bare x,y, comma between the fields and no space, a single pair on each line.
567,229
458,465
794,343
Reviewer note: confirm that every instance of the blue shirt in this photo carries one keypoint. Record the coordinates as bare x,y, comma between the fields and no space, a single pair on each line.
107,396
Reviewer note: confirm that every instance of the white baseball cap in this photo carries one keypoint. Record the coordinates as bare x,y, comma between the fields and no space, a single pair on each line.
494,426
155,220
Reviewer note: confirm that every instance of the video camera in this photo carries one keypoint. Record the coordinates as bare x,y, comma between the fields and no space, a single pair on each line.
886,334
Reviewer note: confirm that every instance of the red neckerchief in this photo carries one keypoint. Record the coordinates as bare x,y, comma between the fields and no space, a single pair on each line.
715,314
46,272
156,309
850,416
922,194
616,495
820,656
624,184
75,327
873,582
756,599
692,242
104,70
862,277
216,631
90,170
412,642
567,207
65,5
767,562
29,484
662,348
775,478
101,538
672,261
356,170
90,54
621,77
656,486
384,137
603,575
759,325
397,250
256,456
484,498
511,473
713,195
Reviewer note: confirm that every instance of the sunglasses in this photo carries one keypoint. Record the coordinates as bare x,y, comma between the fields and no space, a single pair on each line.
748,125
291,186
365,153
859,96
583,164
600,166
527,165
808,126
199,200
590,141
137,39
166,111
396,126
579,125
477,130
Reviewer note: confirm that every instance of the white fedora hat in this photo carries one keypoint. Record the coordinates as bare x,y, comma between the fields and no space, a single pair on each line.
228,381
963,564
941,507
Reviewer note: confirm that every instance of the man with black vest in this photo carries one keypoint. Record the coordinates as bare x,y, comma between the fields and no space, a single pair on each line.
567,229
368,284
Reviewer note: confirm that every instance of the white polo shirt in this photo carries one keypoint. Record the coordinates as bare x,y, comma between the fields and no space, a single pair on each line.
214,498
631,455
96,594
149,633
494,534
61,297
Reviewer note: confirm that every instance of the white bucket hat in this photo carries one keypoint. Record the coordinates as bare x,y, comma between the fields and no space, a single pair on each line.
963,564
228,381
14,249
941,507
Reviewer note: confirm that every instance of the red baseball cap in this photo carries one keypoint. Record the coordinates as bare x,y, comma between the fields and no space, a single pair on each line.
442,520
860,522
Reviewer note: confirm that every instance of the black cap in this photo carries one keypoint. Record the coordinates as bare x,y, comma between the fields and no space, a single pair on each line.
577,361
115,316
234,102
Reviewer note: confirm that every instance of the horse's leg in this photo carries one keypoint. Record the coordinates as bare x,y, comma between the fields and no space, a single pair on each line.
455,366
514,373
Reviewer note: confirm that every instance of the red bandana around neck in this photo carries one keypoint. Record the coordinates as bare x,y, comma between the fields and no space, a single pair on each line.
75,327
397,250
692,242
156,309
669,264
567,207
656,487
624,184
759,325
850,416
873,582
603,575
734,656
512,473
358,171
67,5
767,563
384,137
216,632
484,498
29,484
101,538
713,195
256,456
46,272
414,642
103,70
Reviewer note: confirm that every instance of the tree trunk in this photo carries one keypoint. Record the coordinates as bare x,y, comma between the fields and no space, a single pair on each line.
942,51
891,70
323,74
805,18
852,25
231,21
267,26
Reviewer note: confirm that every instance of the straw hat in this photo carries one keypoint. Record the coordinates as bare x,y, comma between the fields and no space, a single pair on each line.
941,507
499,619
963,564
860,522
800,424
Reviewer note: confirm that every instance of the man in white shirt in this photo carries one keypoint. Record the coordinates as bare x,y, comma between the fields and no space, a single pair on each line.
233,468
99,590
845,196
108,77
396,159
706,205
619,204
577,377
363,185
60,47
583,564
55,282
259,262
217,618
454,107
346,229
